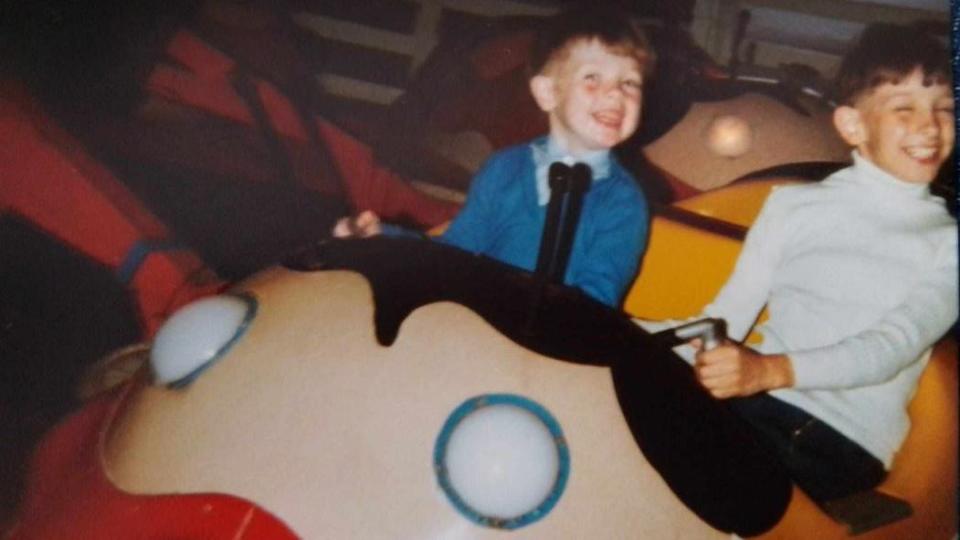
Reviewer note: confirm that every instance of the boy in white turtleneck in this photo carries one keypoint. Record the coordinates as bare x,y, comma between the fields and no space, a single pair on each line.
858,272
587,71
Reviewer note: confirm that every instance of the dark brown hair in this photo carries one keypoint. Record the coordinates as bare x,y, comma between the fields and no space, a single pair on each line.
615,28
888,53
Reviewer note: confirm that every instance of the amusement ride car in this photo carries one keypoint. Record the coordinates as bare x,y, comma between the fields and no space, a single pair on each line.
397,388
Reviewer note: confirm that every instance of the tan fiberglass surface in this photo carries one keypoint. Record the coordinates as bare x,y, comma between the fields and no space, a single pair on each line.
779,136
310,418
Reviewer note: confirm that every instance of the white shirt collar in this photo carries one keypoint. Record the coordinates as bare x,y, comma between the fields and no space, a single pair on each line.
546,151
865,171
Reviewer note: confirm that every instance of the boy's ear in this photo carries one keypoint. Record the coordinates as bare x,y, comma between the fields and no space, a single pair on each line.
544,92
849,124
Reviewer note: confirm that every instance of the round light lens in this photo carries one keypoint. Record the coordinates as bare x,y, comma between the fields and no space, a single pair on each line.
197,335
502,460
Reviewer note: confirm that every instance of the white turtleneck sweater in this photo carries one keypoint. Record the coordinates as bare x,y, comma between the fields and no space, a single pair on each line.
859,273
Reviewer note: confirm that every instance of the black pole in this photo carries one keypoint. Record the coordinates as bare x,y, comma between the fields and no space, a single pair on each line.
578,182
567,187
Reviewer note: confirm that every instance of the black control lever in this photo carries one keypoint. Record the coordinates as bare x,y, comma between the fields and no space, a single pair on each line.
567,188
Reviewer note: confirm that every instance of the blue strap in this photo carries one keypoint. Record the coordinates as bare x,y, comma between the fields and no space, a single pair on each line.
138,253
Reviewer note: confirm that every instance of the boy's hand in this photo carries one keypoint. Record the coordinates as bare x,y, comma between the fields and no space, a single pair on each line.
732,370
363,225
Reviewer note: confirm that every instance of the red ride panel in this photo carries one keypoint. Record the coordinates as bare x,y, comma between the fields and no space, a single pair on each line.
49,180
69,496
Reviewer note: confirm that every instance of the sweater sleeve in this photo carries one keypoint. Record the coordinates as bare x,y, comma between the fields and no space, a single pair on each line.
895,340
614,251
745,293
472,228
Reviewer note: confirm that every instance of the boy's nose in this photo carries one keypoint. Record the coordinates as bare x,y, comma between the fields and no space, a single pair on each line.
613,90
928,122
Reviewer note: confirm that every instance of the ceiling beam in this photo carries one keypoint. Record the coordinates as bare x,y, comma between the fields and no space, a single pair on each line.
851,10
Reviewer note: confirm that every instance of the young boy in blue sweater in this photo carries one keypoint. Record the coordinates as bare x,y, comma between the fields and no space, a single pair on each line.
588,67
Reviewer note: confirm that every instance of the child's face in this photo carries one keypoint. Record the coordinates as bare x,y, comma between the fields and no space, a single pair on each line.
905,128
592,97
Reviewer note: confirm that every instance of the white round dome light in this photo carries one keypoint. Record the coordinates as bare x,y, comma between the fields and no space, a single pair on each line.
197,335
502,460
729,136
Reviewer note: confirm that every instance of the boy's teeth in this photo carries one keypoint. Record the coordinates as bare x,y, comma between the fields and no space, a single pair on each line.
921,153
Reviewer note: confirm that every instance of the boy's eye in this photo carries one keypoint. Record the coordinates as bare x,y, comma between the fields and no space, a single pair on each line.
591,77
631,85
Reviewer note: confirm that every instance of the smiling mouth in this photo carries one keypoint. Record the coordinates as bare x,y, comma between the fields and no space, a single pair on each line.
922,153
609,119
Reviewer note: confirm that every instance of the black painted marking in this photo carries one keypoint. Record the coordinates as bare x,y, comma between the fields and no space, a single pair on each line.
700,447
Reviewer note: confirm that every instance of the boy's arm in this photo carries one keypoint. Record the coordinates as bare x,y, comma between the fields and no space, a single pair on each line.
733,369
620,237
470,230
747,289
870,357
895,341
745,292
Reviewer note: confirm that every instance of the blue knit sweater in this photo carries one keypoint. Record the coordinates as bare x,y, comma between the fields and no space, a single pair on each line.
501,219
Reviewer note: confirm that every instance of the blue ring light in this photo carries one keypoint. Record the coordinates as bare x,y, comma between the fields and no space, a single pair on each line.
493,447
